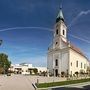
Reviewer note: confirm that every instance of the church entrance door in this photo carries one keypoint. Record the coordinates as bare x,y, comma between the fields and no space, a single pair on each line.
56,72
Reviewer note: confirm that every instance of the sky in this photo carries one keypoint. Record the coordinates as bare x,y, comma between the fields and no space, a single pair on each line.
26,27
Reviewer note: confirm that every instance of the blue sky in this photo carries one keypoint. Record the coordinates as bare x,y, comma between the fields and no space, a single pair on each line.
30,44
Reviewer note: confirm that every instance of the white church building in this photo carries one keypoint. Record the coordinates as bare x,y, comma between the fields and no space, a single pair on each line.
62,55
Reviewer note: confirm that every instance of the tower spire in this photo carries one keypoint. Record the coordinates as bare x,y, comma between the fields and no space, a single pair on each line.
60,14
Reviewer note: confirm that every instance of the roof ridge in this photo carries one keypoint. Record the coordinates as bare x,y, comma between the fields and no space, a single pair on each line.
77,49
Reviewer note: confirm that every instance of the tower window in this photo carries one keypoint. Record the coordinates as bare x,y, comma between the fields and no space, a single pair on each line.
56,43
57,31
81,64
76,63
71,63
63,32
84,66
56,62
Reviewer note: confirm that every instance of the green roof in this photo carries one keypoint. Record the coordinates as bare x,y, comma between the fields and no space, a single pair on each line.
60,15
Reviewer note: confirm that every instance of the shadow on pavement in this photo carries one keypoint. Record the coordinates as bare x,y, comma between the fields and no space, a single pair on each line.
87,87
73,88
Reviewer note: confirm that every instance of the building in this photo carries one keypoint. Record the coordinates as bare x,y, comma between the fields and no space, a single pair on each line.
41,69
26,69
64,57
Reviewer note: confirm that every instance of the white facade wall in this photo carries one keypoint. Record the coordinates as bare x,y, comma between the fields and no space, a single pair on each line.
65,62
73,58
24,68
50,62
57,56
63,27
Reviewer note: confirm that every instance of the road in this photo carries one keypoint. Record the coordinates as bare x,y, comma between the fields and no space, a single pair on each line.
15,82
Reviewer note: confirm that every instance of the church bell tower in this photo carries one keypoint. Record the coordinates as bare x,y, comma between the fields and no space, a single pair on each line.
57,51
60,33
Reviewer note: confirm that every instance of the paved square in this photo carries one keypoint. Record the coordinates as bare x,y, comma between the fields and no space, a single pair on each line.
15,82
22,82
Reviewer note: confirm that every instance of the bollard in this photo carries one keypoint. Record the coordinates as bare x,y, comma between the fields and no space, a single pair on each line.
37,81
34,86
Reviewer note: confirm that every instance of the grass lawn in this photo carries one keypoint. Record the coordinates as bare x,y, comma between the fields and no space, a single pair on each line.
45,85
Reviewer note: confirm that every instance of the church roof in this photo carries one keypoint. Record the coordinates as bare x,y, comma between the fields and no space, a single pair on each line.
76,49
60,16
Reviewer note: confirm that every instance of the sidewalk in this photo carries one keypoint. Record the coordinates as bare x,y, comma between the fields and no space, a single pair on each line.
79,85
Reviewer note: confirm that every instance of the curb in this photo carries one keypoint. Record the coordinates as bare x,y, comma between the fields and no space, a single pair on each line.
35,87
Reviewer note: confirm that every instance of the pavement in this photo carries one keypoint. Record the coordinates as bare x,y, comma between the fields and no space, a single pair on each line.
15,82
23,82
79,86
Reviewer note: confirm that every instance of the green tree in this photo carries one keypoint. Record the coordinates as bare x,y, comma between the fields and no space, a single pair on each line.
4,63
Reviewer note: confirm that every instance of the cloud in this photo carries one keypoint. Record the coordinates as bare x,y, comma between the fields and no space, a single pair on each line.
49,29
82,39
15,28
78,16
40,60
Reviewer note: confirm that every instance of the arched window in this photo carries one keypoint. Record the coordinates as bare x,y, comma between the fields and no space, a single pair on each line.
56,62
71,63
57,31
63,32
